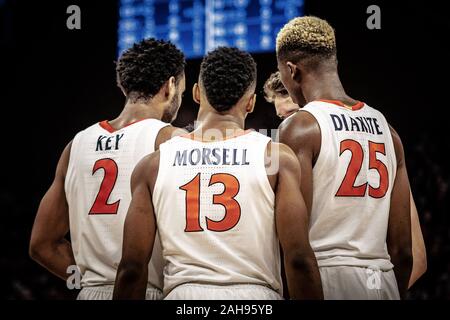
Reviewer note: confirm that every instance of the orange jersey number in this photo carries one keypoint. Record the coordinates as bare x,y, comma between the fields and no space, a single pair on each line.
226,199
348,188
101,205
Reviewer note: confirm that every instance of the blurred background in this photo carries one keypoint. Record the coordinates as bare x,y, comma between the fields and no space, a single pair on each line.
56,81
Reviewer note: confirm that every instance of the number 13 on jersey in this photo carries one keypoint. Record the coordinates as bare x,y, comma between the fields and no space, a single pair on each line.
226,199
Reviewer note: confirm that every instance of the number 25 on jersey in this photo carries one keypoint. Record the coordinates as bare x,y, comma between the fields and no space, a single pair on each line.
348,188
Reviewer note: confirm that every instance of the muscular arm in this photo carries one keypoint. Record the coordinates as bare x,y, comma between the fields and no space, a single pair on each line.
301,133
302,272
139,233
399,227
48,245
418,246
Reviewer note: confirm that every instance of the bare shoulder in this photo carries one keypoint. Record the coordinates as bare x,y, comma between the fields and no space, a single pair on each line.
66,152
301,132
146,170
173,131
299,126
167,133
63,163
398,145
149,163
395,136
299,122
285,155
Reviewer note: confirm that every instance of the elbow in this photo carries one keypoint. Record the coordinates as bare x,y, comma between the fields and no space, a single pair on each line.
130,271
36,250
301,262
40,248
303,276
130,281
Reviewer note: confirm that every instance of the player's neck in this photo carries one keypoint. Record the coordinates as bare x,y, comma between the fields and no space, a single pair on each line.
133,112
325,86
223,123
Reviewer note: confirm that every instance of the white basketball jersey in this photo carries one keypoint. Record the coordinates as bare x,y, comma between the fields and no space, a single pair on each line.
215,213
352,185
98,194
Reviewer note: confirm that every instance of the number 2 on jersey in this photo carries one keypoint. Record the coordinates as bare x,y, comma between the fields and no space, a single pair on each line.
226,199
348,188
101,205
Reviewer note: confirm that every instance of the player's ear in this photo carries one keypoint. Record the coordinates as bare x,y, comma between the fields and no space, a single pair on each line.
196,93
251,103
171,88
294,71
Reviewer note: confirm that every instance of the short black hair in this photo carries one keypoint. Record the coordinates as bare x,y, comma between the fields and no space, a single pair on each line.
146,66
226,74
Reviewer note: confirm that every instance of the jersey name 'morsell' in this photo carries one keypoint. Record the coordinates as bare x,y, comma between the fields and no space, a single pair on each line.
361,124
211,156
108,143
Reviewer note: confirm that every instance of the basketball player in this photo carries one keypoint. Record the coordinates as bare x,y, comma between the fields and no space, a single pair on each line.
353,171
218,209
276,93
90,194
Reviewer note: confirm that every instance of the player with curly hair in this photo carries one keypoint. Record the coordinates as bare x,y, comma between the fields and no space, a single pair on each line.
354,176
90,193
220,209
276,93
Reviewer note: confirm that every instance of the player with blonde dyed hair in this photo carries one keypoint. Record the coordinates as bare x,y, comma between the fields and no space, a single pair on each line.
354,179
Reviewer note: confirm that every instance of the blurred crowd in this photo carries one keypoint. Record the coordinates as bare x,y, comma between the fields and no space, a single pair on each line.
429,176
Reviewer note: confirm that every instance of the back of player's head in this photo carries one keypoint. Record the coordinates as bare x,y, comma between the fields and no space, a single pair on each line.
310,39
273,87
146,66
226,74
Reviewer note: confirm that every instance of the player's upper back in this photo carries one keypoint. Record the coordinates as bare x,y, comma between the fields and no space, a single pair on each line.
214,207
98,193
353,179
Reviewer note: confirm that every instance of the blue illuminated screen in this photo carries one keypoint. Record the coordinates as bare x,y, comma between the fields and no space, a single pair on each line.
198,26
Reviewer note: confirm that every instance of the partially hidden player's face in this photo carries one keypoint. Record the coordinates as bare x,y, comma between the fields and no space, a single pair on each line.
170,113
288,72
284,106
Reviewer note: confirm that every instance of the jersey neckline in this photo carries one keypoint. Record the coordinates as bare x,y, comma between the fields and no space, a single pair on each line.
190,136
105,125
357,106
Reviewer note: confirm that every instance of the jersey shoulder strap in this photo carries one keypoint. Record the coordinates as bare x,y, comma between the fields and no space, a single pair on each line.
153,126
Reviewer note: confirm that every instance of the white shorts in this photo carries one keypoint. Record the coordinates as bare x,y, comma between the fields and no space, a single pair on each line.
358,283
106,293
190,291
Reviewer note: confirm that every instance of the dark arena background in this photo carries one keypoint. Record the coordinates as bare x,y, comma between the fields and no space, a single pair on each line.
56,81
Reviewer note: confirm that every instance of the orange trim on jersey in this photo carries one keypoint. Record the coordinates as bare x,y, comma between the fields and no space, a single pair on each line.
355,107
192,136
105,125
